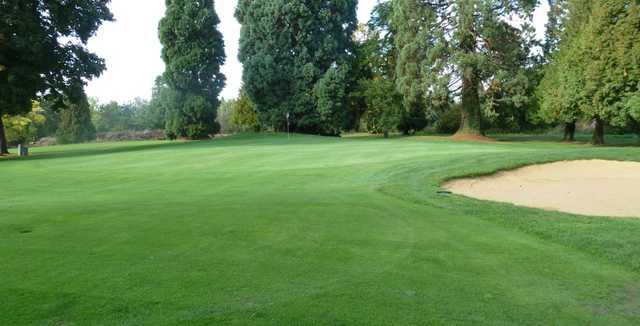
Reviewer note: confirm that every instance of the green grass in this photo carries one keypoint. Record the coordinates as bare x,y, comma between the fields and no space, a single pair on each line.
324,231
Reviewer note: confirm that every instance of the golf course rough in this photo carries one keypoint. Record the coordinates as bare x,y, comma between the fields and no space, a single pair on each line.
258,229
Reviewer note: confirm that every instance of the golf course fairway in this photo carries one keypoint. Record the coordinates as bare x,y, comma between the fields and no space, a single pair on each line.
263,230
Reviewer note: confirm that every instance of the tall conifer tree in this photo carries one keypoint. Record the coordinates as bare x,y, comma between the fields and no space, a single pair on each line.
296,54
454,48
193,51
595,74
75,125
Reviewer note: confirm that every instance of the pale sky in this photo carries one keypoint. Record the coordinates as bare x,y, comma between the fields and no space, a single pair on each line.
131,47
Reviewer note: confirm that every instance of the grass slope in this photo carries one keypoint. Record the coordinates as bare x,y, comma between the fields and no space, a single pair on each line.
265,230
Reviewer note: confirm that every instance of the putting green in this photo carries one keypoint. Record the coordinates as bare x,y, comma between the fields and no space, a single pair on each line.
270,231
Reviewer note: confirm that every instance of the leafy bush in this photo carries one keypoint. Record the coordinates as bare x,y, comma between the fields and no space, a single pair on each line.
244,116
23,129
413,120
449,121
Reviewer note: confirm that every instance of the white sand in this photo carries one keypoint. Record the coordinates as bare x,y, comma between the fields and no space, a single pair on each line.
588,187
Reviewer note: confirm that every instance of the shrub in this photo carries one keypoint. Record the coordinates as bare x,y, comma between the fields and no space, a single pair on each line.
23,129
449,121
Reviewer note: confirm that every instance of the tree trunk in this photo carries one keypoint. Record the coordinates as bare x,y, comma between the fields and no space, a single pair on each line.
471,116
598,132
357,121
570,131
4,149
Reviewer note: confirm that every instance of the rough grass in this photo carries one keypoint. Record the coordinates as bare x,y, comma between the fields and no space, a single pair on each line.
264,230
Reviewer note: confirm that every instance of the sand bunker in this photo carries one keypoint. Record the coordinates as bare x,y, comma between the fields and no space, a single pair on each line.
588,187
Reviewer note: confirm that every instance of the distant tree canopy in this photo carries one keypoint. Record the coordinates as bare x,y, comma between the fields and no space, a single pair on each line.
193,51
295,54
137,115
43,52
465,66
595,73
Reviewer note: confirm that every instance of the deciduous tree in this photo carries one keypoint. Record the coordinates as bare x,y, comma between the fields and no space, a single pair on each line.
43,52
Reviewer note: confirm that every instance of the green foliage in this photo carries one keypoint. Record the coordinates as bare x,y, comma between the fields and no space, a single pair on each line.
331,99
510,103
244,116
133,116
193,51
154,116
384,106
23,129
224,117
380,43
75,124
449,121
52,119
238,115
554,29
596,73
448,49
43,51
412,120
374,79
191,116
293,52
112,117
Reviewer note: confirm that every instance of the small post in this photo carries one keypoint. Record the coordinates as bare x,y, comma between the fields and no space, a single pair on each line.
23,151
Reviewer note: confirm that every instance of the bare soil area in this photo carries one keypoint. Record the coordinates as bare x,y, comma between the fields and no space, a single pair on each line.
587,187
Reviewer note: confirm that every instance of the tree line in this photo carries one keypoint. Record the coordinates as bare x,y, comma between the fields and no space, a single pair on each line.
457,66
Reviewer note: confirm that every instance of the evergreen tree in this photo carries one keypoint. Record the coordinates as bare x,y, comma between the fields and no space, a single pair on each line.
451,48
555,27
595,75
610,49
294,52
375,85
331,99
384,106
193,51
43,51
374,58
75,124
558,28
244,115
155,116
